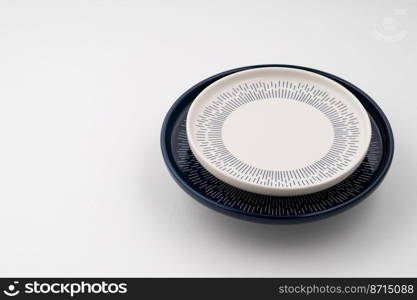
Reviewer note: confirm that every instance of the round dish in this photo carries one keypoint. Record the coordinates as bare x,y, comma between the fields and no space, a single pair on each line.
211,191
278,131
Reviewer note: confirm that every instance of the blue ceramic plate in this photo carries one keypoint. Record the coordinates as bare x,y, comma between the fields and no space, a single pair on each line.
209,190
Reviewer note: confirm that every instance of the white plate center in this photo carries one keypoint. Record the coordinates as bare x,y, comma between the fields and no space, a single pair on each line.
278,134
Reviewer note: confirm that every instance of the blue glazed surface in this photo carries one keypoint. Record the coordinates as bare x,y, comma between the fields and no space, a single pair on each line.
215,194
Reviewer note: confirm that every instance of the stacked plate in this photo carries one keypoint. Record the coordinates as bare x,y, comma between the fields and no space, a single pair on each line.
277,143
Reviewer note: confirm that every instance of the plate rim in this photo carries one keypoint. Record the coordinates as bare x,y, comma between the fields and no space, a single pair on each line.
370,104
208,91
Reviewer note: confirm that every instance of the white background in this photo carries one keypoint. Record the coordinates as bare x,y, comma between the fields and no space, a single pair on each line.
84,88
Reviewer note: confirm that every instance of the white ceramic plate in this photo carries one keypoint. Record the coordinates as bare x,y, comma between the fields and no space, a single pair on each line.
278,131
